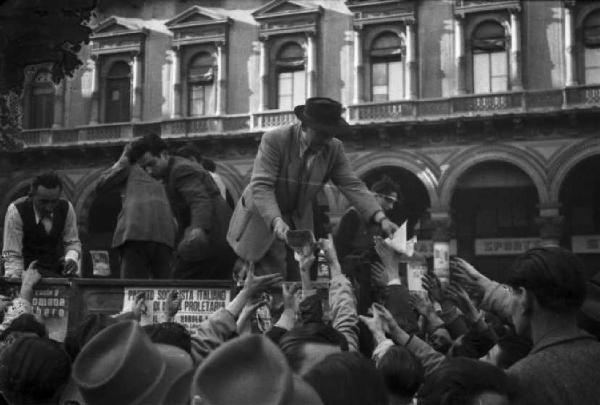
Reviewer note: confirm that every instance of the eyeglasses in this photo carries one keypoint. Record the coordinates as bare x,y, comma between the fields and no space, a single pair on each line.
388,198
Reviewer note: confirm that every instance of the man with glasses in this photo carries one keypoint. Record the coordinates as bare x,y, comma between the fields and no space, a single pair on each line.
292,165
354,240
42,227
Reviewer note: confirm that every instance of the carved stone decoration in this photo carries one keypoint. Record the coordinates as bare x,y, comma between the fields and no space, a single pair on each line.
464,7
384,137
198,25
118,35
382,12
284,17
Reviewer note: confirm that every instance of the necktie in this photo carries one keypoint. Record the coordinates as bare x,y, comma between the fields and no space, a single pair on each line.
47,223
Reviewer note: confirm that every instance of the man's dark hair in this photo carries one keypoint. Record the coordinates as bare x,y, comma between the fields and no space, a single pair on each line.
385,186
459,380
170,333
209,165
553,275
33,370
512,349
292,342
46,180
148,143
25,323
190,151
83,332
347,378
402,372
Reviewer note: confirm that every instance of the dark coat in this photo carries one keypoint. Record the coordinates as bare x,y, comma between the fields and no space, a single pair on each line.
197,202
279,187
561,369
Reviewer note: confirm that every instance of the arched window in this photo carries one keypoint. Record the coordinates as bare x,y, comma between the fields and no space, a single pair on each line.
118,93
200,82
387,68
291,77
591,42
490,60
41,114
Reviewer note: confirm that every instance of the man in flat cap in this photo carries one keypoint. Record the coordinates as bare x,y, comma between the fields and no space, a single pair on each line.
292,165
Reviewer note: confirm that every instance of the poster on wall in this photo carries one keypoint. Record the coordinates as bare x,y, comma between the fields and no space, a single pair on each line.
415,270
50,306
100,263
196,304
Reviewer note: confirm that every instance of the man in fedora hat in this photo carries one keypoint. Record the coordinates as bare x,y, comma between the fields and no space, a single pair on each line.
292,165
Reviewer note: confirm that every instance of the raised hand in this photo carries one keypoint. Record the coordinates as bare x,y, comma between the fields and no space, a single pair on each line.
460,297
467,276
420,304
432,285
254,285
379,275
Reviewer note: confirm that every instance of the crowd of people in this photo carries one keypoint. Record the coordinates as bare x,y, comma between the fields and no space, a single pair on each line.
464,340
472,341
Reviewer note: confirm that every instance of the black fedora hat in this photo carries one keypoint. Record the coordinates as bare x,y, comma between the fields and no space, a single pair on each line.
323,114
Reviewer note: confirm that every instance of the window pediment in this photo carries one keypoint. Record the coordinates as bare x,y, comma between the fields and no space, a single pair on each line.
116,35
198,25
464,7
380,12
281,17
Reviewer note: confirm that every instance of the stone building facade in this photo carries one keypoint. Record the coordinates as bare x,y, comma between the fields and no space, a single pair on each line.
483,111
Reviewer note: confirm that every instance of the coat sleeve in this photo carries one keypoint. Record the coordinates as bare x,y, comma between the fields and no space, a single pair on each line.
498,299
114,177
193,189
346,231
344,315
351,186
266,168
214,331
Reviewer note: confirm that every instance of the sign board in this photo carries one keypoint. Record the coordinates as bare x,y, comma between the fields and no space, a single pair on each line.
50,306
196,304
504,246
414,272
441,261
585,244
425,247
100,263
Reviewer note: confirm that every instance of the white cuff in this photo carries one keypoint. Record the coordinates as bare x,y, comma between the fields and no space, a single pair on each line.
395,281
382,349
286,320
74,255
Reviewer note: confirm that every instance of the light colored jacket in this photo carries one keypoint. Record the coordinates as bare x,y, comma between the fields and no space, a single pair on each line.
342,304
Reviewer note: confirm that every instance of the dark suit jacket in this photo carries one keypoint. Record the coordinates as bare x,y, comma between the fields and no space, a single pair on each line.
279,187
196,201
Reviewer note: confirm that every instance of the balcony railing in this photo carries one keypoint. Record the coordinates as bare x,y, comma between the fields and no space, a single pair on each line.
473,105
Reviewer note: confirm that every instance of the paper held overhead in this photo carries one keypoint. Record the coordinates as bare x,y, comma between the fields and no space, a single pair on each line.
399,243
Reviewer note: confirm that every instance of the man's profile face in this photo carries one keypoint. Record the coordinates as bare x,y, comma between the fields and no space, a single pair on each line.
387,200
45,199
155,165
316,139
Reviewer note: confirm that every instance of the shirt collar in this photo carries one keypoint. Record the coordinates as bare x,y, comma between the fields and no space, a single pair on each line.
38,217
559,337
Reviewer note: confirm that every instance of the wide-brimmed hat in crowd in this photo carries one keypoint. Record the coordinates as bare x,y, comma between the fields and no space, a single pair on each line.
121,365
323,114
250,371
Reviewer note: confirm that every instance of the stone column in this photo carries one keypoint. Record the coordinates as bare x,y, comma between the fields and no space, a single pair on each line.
550,224
359,68
459,54
93,65
264,75
176,82
571,77
311,62
59,105
515,52
221,79
442,231
136,83
411,61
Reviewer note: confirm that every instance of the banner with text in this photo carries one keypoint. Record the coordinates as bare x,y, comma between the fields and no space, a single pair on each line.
585,244
50,306
504,246
196,304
